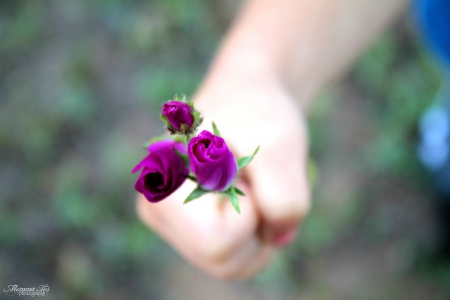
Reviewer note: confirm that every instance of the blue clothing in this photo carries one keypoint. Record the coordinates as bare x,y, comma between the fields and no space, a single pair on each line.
433,17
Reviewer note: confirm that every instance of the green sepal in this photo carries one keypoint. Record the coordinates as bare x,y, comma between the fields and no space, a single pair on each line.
243,161
197,116
168,126
183,98
146,145
198,119
197,193
184,129
177,138
184,157
215,130
239,192
231,193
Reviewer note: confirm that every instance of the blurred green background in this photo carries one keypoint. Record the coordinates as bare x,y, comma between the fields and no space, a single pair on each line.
81,85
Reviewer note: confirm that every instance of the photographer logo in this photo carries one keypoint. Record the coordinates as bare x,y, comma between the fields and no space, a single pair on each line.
16,290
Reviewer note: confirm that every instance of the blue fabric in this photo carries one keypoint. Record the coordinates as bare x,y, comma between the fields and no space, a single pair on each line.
434,20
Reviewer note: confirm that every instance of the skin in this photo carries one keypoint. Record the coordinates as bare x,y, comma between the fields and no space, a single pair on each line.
276,57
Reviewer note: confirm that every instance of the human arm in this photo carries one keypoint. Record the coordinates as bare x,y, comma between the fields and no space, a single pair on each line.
275,58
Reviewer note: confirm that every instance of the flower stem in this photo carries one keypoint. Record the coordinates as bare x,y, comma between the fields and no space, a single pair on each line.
191,178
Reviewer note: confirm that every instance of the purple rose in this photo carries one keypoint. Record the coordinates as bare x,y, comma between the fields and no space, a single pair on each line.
177,113
163,171
212,162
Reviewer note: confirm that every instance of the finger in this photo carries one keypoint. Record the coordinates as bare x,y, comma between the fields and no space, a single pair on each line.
277,175
154,216
280,186
204,229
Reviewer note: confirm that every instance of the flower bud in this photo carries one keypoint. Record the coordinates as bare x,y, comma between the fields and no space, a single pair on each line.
163,171
212,162
180,117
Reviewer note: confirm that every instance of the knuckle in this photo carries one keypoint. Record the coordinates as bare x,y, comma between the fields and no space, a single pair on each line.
291,211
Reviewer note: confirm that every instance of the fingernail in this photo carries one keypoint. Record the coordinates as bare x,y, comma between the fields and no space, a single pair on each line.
285,238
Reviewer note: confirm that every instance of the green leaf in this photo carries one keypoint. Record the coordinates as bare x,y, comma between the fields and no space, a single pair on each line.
231,193
239,192
215,130
184,157
243,161
197,193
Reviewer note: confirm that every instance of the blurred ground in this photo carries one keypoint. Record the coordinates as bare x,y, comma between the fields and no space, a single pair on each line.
81,84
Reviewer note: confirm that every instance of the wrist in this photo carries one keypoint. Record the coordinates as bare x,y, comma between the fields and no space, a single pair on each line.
252,69
242,66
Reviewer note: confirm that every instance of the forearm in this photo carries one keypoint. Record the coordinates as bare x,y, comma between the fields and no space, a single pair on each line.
303,44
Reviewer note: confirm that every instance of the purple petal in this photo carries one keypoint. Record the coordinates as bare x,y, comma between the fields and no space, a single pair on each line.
162,170
212,162
161,145
178,113
209,177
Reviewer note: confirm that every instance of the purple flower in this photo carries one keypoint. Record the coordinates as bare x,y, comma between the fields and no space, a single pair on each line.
163,171
212,162
177,113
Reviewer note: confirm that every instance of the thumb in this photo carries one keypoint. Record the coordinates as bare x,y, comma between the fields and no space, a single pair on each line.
279,183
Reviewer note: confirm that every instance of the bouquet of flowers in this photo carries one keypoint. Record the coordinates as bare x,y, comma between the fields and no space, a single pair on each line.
203,158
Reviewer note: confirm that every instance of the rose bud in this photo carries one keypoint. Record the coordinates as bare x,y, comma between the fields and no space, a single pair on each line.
163,171
212,162
180,117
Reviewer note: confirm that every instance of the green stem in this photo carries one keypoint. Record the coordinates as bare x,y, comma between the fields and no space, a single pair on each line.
191,178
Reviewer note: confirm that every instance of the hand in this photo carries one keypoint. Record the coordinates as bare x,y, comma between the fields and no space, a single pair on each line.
209,232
